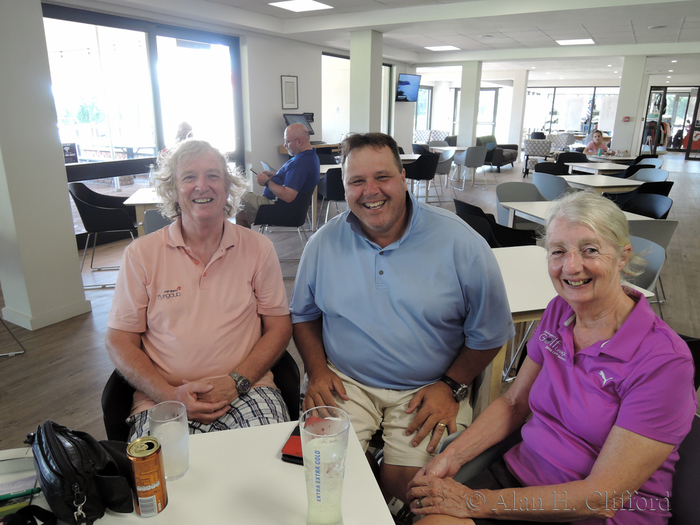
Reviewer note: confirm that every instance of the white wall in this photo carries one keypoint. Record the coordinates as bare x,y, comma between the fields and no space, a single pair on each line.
264,61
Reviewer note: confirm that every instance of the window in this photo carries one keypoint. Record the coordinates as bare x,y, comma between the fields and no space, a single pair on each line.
422,117
488,107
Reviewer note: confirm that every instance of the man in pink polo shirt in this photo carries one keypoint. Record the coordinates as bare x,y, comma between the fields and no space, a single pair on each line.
200,312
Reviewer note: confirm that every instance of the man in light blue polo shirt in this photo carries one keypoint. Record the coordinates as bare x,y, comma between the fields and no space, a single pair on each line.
397,306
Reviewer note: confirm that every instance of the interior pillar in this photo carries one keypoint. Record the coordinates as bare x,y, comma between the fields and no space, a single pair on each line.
630,103
365,81
39,264
469,105
517,114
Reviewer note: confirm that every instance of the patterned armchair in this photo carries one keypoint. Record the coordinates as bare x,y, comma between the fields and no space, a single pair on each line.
535,148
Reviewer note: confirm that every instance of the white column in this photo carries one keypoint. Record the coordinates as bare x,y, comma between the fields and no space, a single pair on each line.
631,103
517,114
39,264
469,105
365,81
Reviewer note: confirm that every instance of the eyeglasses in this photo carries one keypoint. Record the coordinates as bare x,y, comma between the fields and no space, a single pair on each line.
288,142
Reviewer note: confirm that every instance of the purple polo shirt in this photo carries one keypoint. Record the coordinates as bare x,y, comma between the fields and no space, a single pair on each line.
641,380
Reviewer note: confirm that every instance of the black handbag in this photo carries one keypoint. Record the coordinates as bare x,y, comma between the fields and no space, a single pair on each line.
78,476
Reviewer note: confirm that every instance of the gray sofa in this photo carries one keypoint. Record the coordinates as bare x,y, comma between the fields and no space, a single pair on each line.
498,154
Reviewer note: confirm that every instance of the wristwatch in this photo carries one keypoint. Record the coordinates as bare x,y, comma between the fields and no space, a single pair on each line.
459,391
242,383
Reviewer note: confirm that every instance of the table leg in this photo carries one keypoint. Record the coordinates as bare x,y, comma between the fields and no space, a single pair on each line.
140,212
314,213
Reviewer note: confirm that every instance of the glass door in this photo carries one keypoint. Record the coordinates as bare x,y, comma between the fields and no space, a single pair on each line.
692,140
653,123
488,107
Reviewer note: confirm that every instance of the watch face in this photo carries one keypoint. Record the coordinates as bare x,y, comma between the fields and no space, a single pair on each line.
461,393
243,385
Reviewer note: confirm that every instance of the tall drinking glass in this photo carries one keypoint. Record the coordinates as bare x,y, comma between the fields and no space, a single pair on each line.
168,422
324,444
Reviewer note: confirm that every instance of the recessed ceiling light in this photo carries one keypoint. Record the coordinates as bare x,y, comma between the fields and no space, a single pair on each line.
442,48
299,6
615,71
486,36
576,42
656,27
609,65
670,70
668,81
532,67
669,76
674,61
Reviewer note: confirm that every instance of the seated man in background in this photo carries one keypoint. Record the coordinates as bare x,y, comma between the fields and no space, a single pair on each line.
397,307
200,312
299,175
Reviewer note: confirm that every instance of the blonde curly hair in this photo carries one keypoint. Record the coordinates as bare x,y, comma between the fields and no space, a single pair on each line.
166,177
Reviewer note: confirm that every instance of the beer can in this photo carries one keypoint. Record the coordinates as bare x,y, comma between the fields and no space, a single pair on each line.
146,458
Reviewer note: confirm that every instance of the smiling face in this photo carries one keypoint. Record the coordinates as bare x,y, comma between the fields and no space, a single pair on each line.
201,188
584,268
375,190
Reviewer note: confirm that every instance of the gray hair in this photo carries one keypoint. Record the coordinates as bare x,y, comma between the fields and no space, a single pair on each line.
166,183
602,216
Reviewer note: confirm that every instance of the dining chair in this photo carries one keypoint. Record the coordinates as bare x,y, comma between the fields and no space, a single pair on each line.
153,221
649,205
420,149
482,227
643,157
464,208
286,214
327,158
654,255
686,482
331,189
472,158
552,168
550,186
101,214
424,168
538,135
514,192
634,168
656,162
658,231
572,156
444,167
659,188
650,175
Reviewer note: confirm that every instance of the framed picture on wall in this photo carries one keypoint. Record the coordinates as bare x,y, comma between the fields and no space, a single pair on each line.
290,92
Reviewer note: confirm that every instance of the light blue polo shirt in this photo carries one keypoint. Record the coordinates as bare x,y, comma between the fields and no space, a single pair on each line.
397,317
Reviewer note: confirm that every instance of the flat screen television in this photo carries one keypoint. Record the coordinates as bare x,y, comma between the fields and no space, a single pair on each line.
293,118
407,88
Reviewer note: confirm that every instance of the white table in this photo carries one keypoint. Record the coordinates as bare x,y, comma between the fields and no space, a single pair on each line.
143,199
536,211
529,290
443,149
238,476
610,158
407,158
597,168
601,183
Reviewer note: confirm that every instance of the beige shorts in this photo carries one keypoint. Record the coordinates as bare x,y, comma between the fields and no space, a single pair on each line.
251,205
371,409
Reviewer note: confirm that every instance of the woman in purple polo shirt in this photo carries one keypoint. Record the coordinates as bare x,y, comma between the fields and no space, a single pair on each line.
608,384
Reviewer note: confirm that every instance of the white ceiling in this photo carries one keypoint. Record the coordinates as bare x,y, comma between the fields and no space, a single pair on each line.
503,34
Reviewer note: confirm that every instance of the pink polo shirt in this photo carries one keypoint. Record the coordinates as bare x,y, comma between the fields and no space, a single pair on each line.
197,320
641,380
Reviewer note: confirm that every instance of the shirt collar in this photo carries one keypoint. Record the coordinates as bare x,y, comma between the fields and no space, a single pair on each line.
413,211
228,239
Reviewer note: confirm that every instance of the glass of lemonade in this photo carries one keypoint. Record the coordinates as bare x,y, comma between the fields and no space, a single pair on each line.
324,443
168,423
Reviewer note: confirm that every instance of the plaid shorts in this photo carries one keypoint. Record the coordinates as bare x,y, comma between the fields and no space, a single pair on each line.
261,406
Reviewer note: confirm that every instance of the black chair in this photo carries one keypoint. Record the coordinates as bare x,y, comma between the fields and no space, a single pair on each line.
464,208
640,158
286,214
649,205
401,152
331,189
632,170
686,482
153,221
572,156
101,214
482,227
657,188
118,394
508,237
552,168
538,135
423,168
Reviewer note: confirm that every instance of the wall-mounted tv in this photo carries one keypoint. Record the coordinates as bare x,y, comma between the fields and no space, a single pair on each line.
407,88
293,118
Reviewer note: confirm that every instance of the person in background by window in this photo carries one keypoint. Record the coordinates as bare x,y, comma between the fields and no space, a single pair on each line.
596,144
184,131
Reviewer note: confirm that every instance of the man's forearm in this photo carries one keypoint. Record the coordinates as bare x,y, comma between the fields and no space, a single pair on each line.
277,331
308,337
469,363
281,192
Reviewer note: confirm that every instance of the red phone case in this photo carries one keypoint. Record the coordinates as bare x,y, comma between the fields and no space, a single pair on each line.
291,451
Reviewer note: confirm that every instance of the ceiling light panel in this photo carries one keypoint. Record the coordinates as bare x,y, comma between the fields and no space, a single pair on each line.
300,6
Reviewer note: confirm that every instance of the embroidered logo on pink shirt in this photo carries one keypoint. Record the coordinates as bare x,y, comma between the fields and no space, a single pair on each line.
553,344
170,294
605,379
